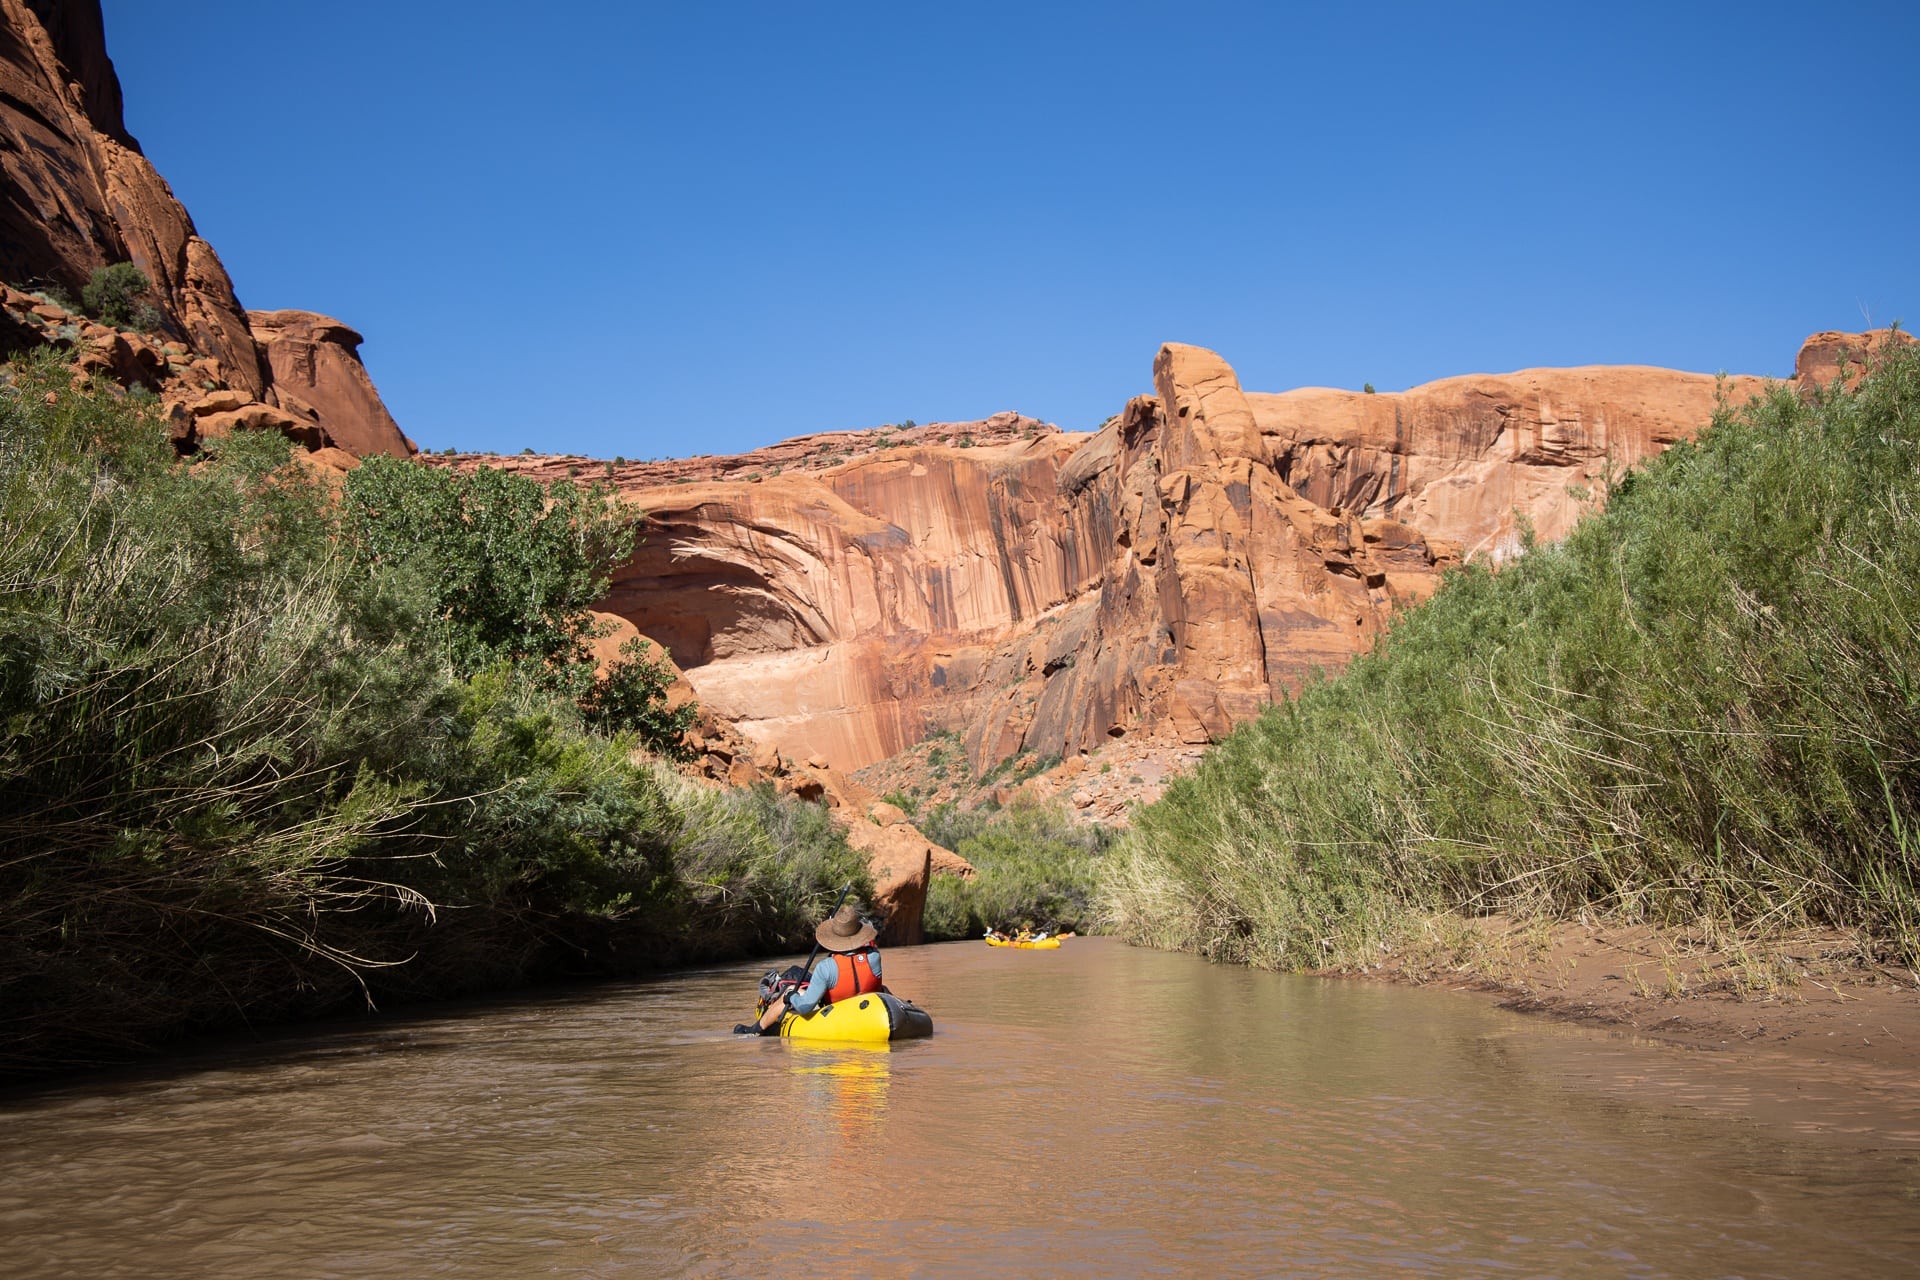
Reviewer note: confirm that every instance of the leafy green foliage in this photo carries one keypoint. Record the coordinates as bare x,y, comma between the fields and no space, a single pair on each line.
511,566
1703,704
760,870
1033,869
511,569
633,696
118,295
245,774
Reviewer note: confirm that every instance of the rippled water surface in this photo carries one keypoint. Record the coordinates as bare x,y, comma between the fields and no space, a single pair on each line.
1092,1111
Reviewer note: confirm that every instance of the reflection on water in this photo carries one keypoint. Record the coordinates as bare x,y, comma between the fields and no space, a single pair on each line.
1089,1111
848,1087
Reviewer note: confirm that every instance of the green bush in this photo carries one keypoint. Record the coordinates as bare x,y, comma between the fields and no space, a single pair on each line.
901,800
632,696
511,569
118,295
760,870
189,681
1033,868
247,774
1703,705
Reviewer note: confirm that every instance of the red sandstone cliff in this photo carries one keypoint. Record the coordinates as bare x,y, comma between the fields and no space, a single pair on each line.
77,194
842,592
840,596
1266,536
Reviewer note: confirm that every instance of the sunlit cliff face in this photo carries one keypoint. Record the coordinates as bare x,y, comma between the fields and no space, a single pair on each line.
77,195
1168,575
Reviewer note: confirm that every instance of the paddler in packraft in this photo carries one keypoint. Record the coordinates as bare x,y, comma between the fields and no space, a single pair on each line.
850,968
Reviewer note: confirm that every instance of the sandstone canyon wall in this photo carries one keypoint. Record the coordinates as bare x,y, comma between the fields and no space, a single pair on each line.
1465,459
841,596
837,595
77,194
1262,537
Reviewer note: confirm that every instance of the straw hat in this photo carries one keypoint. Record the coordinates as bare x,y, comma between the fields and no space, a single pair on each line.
845,931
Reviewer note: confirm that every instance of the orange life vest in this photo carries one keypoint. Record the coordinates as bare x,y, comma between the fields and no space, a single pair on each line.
856,978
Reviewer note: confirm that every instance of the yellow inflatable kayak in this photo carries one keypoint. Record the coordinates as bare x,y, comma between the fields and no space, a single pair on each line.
1030,944
863,1019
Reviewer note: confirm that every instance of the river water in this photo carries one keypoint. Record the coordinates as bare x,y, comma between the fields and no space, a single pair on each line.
1095,1111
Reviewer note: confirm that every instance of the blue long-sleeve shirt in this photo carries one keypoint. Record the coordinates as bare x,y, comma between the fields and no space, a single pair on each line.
825,974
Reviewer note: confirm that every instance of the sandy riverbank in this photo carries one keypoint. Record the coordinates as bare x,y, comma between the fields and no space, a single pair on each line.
1813,997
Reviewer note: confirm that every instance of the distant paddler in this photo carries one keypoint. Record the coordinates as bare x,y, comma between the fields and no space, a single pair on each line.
1026,940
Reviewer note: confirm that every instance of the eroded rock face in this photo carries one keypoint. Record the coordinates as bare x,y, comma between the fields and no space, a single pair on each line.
840,597
1826,358
76,194
314,364
1225,586
828,613
901,859
1466,459
836,610
1266,536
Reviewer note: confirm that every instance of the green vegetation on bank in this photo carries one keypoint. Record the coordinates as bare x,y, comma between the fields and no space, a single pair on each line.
509,570
1702,706
1033,868
267,751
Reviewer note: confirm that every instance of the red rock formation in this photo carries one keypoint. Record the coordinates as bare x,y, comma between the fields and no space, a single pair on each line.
838,607
1826,357
76,194
824,613
1463,459
1165,577
830,613
1265,537
314,364
1225,586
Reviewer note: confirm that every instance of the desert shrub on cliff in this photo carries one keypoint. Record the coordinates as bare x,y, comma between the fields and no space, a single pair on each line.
119,295
1033,869
632,696
243,775
1703,704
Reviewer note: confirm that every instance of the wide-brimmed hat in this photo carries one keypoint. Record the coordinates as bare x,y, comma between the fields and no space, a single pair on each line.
845,930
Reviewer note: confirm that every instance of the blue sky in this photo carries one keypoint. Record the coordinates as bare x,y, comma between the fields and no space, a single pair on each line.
656,230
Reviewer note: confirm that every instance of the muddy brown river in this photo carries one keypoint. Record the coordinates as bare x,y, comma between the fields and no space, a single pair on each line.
1095,1111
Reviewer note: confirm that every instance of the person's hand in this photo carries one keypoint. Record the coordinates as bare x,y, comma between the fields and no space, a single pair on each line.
746,1028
